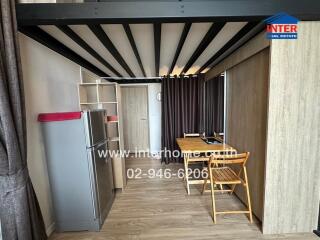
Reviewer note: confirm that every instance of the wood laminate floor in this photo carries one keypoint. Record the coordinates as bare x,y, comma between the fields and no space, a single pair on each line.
159,208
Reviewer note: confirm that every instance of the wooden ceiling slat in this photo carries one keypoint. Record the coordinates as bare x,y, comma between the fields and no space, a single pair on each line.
127,29
75,37
210,35
105,40
247,28
183,38
47,40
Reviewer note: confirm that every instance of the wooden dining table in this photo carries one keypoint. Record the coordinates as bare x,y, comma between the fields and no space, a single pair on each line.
196,145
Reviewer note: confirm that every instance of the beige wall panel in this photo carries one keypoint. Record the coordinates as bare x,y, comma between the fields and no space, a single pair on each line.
247,92
293,153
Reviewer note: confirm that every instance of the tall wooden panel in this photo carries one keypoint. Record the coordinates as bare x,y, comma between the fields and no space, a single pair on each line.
293,138
135,118
247,97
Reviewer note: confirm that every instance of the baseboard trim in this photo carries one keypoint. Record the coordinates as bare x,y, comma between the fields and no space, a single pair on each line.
51,229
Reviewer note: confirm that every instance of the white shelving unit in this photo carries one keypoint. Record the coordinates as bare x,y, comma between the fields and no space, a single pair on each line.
96,93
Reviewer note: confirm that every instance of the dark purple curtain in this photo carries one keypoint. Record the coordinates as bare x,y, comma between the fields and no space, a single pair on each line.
213,117
182,110
20,214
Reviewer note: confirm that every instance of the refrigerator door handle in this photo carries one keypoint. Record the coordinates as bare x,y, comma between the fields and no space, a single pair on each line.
92,182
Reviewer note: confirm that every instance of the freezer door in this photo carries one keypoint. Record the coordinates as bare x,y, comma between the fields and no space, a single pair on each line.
104,180
95,127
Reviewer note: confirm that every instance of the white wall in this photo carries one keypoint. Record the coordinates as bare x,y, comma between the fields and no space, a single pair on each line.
154,109
50,84
154,117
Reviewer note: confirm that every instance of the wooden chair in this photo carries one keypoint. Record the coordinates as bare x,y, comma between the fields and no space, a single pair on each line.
219,136
221,174
185,135
192,160
188,159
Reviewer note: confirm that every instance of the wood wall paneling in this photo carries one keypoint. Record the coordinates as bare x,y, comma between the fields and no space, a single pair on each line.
247,97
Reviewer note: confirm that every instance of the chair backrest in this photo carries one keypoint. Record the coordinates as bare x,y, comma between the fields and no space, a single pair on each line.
186,135
240,158
218,134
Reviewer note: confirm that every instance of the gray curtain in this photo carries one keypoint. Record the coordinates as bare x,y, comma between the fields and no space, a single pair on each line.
19,210
213,117
182,108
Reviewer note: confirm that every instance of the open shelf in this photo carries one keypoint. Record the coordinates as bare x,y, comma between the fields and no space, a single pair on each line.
89,103
87,84
113,139
95,93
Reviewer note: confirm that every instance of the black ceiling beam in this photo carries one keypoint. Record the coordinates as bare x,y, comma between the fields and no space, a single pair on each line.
139,80
47,40
210,35
75,37
183,37
134,47
157,45
162,11
248,31
105,40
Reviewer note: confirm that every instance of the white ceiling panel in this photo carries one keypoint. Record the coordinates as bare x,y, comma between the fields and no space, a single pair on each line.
88,36
119,38
226,33
143,36
170,36
68,42
195,35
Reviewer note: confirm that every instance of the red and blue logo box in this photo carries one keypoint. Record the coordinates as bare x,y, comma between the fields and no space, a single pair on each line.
282,26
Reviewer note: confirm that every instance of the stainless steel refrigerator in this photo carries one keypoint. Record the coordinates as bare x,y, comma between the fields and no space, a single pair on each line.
79,167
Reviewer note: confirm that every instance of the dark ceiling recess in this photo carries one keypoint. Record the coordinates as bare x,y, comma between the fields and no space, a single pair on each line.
157,45
162,11
44,38
75,37
134,47
104,39
183,37
247,28
210,35
140,80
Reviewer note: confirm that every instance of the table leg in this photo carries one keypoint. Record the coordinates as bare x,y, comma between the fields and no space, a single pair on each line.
186,158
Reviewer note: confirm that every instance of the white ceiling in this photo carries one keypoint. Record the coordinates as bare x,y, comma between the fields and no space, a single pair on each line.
170,36
195,35
144,40
143,37
87,35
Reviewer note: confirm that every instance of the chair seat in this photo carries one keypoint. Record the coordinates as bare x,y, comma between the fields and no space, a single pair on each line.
198,159
225,175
